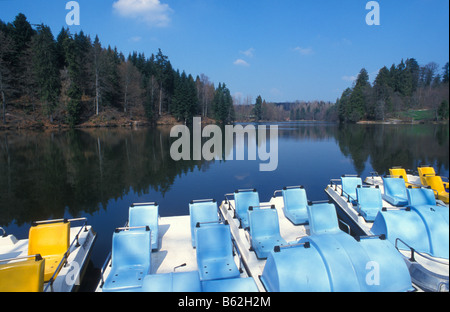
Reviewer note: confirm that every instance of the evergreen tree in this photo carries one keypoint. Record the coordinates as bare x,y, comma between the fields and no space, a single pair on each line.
223,104
258,108
445,73
358,97
46,69
6,80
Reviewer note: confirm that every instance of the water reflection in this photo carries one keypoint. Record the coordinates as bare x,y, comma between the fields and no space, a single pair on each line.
99,173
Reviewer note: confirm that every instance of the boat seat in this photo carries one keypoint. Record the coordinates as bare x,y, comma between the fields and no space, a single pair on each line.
230,285
24,275
141,215
243,200
420,197
130,260
369,202
435,182
51,241
395,191
401,173
349,185
323,218
264,231
424,172
204,211
424,228
215,253
295,205
172,282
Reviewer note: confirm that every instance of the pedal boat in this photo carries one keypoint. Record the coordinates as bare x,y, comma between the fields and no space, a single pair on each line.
52,259
193,253
409,217
290,244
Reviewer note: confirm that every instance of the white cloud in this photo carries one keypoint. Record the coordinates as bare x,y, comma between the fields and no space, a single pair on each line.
349,78
135,39
241,62
304,51
152,12
248,53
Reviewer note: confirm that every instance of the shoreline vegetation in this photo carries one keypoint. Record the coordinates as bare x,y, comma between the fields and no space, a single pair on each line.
72,81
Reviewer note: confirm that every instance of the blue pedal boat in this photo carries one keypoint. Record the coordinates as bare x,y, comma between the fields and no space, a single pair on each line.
313,255
419,230
193,253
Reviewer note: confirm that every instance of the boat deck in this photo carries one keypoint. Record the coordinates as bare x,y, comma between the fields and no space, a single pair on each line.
289,232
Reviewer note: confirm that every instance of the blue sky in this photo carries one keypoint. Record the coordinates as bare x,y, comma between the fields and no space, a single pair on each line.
283,50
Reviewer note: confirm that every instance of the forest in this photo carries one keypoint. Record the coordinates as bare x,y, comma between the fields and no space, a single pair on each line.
396,91
71,79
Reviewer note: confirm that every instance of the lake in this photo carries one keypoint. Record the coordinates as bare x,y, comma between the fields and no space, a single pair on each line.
99,173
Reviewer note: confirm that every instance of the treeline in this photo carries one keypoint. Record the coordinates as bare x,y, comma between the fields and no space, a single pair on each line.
71,78
403,87
288,111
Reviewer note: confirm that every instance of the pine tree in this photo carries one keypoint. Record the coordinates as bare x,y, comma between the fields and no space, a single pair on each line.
46,69
258,108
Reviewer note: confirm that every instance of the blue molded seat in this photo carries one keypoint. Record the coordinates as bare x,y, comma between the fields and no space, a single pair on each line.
244,200
349,185
331,260
130,260
145,215
369,202
264,231
230,285
420,197
295,205
424,228
395,191
172,282
215,253
323,219
205,211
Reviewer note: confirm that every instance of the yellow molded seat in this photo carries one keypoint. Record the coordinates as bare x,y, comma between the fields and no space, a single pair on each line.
22,276
425,172
400,172
435,182
51,241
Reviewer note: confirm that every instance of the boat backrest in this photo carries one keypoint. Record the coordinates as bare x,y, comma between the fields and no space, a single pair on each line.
214,242
323,218
424,172
436,183
205,211
131,248
420,197
264,223
141,215
49,239
369,197
394,187
295,198
22,276
398,172
245,199
349,185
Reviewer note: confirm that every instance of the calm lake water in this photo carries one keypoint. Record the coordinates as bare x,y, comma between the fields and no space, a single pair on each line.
99,173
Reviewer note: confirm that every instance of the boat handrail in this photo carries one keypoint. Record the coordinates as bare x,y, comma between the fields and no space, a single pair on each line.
348,226
203,200
145,204
102,271
262,206
58,220
37,257
305,245
126,228
63,261
287,188
4,232
413,251
198,224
